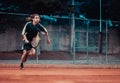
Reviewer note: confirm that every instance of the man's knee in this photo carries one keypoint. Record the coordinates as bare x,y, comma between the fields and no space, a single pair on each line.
32,54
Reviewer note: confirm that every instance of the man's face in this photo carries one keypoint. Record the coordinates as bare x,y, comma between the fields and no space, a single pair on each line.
36,19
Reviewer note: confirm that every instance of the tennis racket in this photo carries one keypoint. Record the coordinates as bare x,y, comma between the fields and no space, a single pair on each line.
35,41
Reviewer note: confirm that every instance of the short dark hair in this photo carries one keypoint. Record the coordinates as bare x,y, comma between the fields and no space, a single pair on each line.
29,18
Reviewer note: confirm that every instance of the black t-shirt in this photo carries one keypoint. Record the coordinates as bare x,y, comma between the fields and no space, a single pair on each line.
31,30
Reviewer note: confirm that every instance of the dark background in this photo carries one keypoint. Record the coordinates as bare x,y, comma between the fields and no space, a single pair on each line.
89,8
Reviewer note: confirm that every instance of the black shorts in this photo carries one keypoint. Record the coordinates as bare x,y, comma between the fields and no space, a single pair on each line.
27,46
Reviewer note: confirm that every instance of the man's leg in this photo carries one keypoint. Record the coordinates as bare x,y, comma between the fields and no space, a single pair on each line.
23,58
32,52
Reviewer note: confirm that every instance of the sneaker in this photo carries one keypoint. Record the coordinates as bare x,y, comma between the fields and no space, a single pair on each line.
21,66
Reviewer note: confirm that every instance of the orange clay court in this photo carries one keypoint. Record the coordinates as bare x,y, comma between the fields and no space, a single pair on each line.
60,74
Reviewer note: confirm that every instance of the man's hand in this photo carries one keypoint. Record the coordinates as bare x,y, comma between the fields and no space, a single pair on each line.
26,41
48,41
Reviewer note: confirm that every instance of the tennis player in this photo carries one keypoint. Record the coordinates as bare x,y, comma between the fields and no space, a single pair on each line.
31,29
